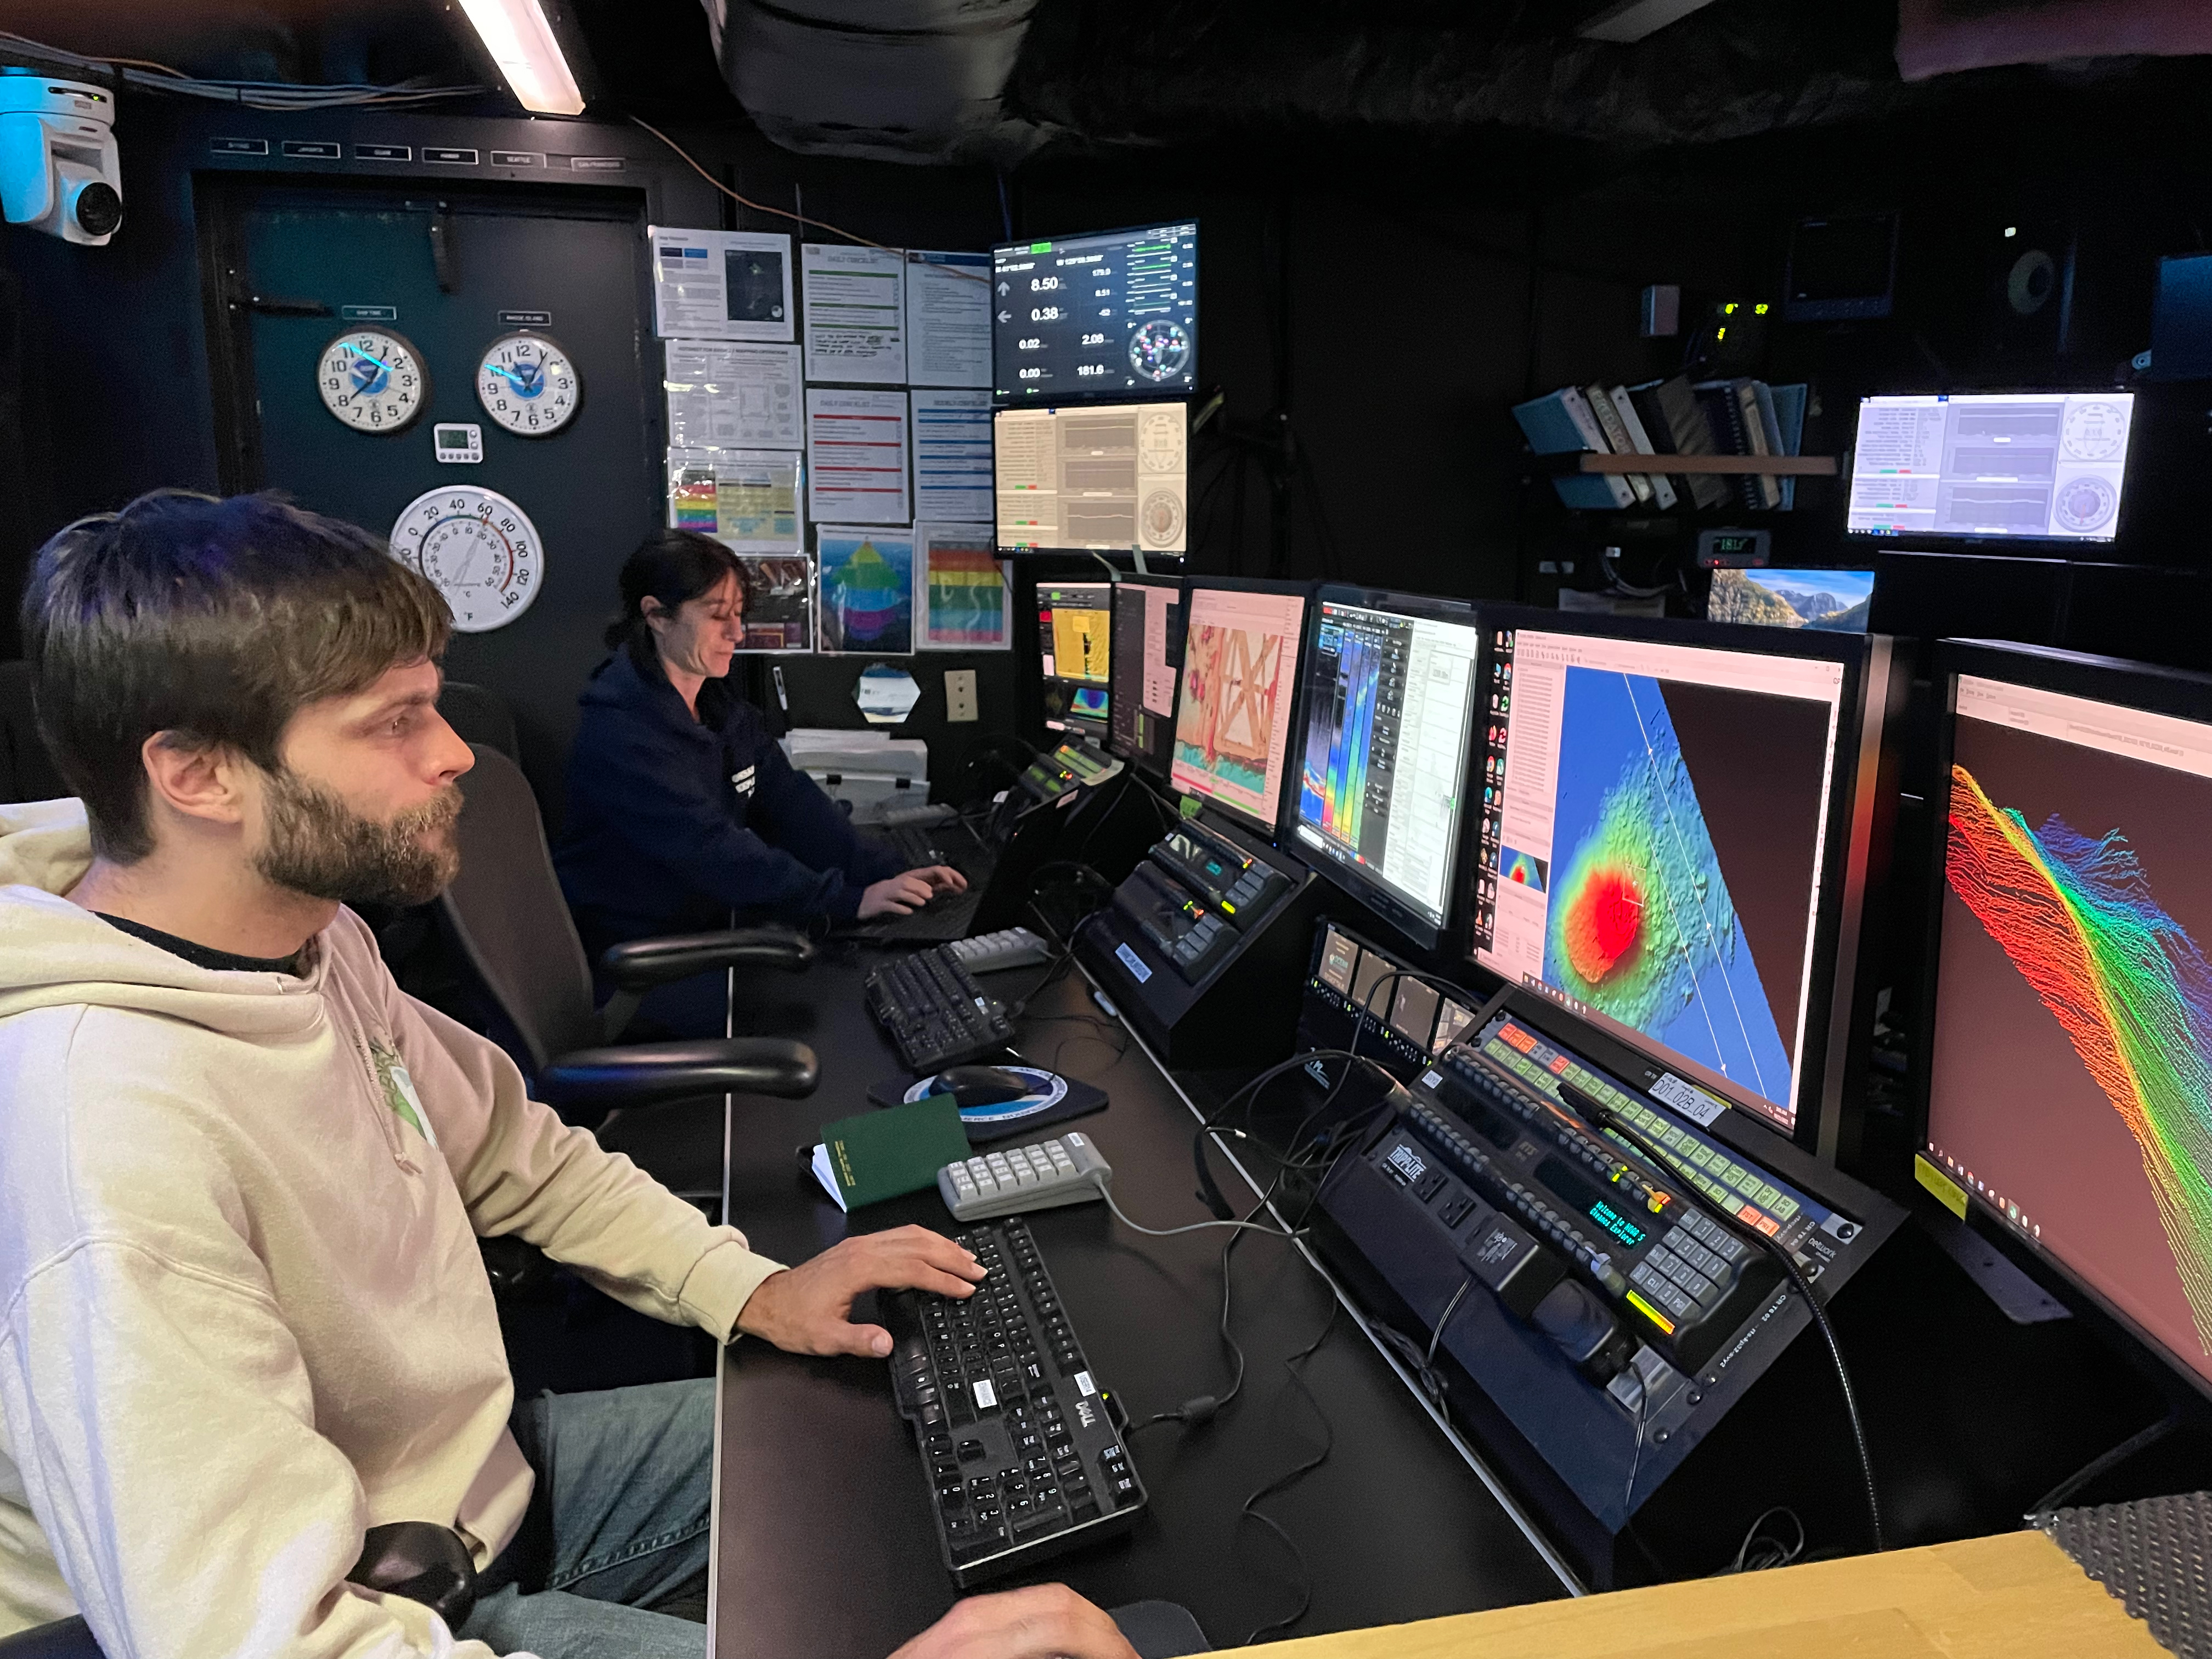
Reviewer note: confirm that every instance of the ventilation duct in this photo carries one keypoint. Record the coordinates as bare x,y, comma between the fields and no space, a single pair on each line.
891,80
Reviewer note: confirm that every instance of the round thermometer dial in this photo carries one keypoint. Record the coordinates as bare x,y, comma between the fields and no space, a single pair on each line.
479,548
372,379
527,385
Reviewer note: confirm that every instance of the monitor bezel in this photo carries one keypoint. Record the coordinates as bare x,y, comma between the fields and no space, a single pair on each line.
1140,761
1003,400
1944,540
998,540
1268,829
2147,686
1386,905
1838,998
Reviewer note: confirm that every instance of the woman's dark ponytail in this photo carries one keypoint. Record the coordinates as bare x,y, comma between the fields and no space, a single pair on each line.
671,566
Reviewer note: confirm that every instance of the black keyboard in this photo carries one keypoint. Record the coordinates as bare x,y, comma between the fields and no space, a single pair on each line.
935,1011
1024,1459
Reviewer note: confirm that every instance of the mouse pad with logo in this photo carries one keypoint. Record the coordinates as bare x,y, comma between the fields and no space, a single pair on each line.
1052,1099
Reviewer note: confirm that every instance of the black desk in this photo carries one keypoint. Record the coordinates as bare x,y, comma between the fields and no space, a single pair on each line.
824,1545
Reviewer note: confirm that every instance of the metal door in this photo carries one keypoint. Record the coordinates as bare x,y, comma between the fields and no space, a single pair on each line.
295,265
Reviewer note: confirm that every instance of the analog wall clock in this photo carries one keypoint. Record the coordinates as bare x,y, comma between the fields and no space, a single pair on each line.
373,380
478,547
527,385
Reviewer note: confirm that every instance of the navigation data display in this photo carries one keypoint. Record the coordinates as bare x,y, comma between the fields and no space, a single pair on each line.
1111,313
1148,634
1388,703
2070,1067
1654,846
2043,466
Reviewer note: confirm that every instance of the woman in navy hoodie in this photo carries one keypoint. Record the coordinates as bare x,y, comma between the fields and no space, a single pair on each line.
682,809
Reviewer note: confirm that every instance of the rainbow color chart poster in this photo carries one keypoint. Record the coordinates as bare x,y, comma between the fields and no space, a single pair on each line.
965,589
865,579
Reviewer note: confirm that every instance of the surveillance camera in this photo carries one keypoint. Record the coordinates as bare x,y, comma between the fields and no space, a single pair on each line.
59,170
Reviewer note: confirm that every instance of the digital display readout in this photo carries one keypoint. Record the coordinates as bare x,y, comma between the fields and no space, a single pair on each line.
1617,1224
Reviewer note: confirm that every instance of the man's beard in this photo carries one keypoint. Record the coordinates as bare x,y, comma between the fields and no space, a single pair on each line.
319,845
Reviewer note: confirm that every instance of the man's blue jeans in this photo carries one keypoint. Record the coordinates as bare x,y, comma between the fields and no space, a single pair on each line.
618,1520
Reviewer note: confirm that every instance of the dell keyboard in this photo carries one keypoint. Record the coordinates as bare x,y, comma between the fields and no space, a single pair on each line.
1024,1459
934,1010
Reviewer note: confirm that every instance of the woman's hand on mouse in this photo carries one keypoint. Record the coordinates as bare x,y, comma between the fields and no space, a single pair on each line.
808,1309
897,895
1045,1621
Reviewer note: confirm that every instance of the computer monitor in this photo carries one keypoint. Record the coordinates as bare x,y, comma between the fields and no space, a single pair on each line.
1101,477
2009,466
1674,827
1240,676
2069,1077
1109,314
1148,630
1389,694
1834,601
1075,648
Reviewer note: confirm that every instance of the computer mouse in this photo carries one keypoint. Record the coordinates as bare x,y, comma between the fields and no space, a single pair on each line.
979,1085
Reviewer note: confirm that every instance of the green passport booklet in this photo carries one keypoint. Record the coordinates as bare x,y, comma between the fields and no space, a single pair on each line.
879,1155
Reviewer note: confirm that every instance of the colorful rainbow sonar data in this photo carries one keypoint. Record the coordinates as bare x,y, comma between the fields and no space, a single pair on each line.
2128,986
1522,869
1641,926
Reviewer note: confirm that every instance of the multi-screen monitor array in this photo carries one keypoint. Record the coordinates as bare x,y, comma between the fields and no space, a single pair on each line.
1660,829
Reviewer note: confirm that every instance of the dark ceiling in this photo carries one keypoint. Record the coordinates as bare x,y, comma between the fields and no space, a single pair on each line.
1375,81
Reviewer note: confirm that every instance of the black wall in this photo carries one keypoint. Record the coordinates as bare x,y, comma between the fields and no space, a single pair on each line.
1391,301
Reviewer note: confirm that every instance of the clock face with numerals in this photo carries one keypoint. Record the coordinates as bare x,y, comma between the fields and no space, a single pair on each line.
478,547
373,380
527,385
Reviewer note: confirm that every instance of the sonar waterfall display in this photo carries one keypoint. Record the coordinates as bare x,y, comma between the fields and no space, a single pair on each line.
2130,988
1641,926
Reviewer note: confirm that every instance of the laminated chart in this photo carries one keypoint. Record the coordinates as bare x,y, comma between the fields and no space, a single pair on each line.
2128,986
1641,926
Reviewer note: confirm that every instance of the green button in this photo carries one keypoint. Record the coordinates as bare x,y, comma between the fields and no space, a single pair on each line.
1702,1156
1784,1208
1767,1197
1671,1137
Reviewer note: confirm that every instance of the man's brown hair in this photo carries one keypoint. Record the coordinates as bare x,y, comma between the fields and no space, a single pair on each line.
213,620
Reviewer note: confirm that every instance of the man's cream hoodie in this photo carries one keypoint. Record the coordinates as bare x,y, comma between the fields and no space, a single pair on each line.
242,1314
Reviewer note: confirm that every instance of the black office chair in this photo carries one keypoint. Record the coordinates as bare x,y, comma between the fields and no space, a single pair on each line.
480,715
658,1102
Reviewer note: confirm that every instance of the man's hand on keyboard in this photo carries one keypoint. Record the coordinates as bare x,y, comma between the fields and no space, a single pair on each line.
942,878
808,1309
1046,1621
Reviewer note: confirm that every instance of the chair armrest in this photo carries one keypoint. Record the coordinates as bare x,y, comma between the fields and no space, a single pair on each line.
642,963
646,1073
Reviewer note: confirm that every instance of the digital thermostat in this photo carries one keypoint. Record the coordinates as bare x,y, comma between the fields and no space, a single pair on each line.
457,443
1733,549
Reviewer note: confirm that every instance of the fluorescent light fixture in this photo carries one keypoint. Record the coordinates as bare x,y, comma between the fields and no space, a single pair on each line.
1628,22
520,41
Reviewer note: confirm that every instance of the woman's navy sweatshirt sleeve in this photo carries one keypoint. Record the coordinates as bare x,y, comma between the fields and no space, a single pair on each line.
671,819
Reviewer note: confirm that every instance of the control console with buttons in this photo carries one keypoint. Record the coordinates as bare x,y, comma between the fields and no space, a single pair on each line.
1611,1304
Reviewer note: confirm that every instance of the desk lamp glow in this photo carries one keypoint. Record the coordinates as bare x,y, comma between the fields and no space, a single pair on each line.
520,41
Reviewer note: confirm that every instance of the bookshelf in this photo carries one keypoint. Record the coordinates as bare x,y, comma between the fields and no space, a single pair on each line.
1778,466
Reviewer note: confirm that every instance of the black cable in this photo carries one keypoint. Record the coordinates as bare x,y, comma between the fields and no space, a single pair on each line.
1595,1110
1776,1554
2107,1462
1290,1477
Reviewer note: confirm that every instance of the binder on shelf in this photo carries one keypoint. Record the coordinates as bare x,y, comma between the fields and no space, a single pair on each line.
1616,435
1562,424
1676,426
1732,407
1639,440
1790,402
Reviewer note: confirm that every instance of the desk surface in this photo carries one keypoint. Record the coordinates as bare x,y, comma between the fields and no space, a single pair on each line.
2015,1596
824,1541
